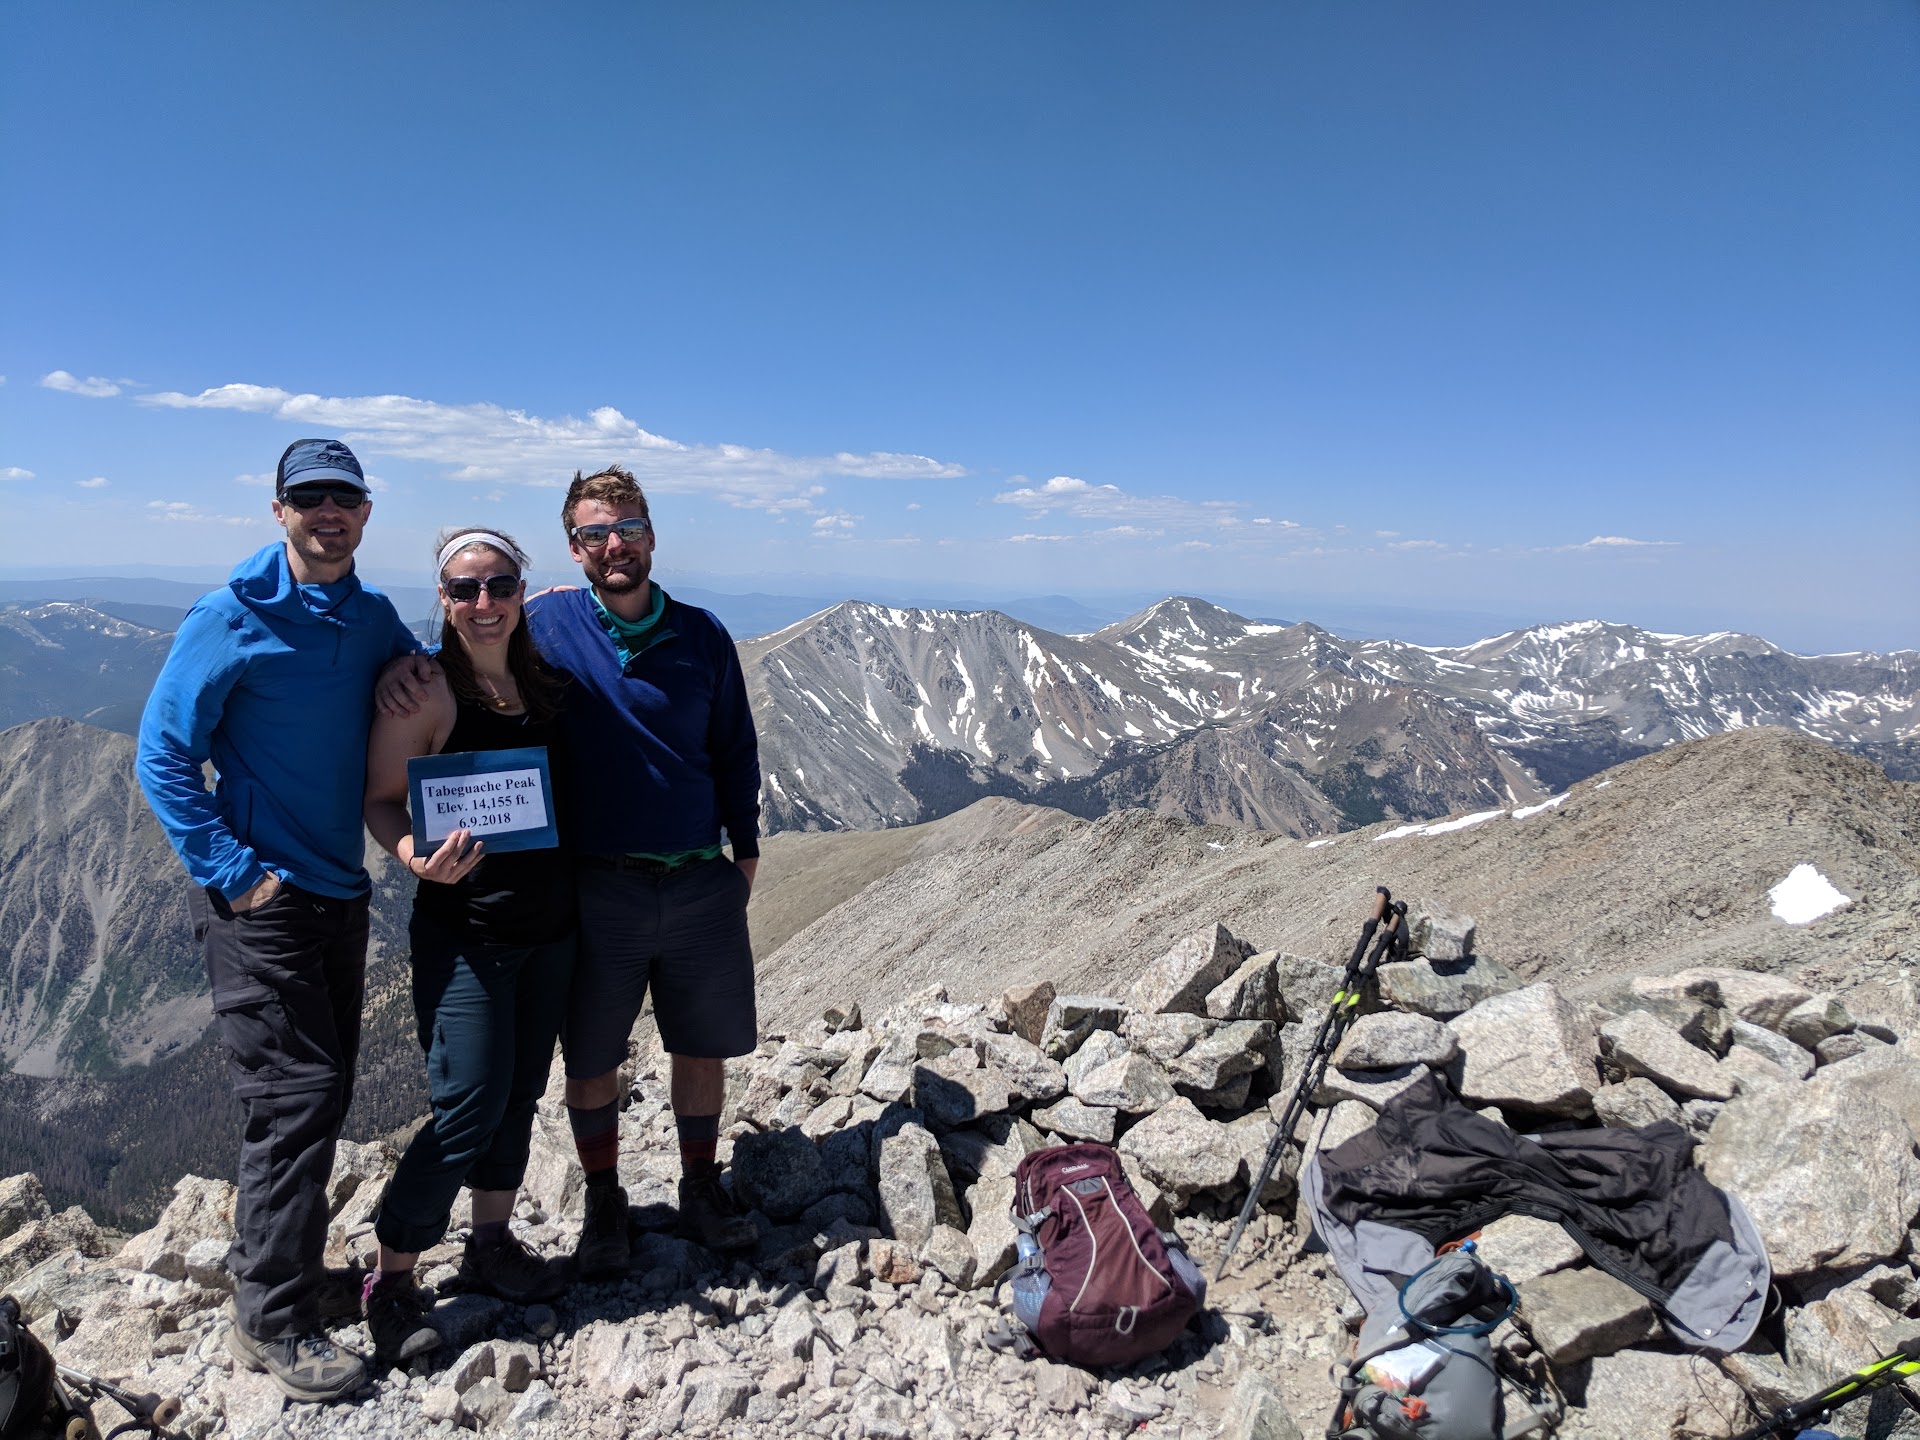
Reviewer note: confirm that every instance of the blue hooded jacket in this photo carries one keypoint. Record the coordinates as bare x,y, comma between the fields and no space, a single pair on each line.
273,681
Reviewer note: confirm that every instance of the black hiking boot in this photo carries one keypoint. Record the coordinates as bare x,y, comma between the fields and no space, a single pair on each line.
710,1214
605,1249
397,1311
508,1270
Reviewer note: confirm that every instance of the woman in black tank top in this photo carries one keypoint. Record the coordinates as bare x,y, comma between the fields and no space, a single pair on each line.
492,940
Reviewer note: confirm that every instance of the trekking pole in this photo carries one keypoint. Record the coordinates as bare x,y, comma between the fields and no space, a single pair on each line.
149,1412
1346,1000
1903,1364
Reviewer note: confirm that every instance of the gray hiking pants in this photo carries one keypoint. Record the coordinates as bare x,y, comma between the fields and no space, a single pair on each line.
287,980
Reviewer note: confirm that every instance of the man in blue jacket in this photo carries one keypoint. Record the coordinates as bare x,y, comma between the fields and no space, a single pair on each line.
271,679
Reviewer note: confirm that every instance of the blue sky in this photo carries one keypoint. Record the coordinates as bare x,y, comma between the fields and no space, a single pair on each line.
1519,310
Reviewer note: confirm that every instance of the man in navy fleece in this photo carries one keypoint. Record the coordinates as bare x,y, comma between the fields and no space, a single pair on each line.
668,766
271,678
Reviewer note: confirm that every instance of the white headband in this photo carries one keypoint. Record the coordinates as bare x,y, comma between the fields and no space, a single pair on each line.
478,537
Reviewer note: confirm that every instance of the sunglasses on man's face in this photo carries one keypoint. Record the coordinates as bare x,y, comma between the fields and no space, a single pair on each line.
312,497
592,537
466,588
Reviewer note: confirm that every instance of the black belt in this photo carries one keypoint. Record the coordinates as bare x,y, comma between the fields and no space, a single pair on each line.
637,864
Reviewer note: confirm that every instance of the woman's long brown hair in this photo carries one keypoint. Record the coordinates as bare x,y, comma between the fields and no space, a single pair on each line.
540,684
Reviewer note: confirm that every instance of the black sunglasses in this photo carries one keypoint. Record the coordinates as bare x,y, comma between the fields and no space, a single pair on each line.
312,497
592,537
466,588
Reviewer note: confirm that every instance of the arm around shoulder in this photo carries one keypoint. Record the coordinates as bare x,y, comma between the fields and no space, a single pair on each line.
394,740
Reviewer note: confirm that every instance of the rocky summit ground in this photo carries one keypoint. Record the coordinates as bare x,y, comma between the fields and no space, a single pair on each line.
964,994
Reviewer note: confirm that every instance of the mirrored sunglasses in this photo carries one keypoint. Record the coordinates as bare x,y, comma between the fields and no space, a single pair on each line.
466,588
592,537
312,497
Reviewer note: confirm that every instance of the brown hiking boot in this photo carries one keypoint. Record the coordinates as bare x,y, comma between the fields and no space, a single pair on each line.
710,1214
508,1270
605,1250
305,1367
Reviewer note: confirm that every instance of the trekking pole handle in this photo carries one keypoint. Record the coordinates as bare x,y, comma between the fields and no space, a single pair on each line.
1382,898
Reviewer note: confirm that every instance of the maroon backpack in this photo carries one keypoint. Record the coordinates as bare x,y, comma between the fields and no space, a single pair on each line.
1096,1282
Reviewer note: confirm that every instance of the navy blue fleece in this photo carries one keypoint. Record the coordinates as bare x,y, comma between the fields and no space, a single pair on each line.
664,750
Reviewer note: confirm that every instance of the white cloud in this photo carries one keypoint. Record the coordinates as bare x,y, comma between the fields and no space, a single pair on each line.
93,385
14,472
1417,545
1069,495
1608,542
838,523
1036,539
98,482
488,442
175,511
264,479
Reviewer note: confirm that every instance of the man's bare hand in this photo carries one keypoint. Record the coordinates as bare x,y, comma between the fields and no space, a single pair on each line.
404,684
747,868
257,896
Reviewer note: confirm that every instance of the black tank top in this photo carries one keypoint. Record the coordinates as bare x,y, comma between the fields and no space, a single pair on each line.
518,897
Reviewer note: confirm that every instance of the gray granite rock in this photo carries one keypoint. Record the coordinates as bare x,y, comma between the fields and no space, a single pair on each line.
1307,985
1238,1047
1796,1060
1256,1411
1181,979
1575,1315
1523,1248
1778,1146
22,1200
1078,1120
1100,1048
1814,1019
1132,1083
1532,1049
1025,1007
991,1231
1372,1088
1652,1395
950,1252
1165,1038
1641,1045
1438,933
1033,1077
1072,1018
1888,1076
1251,992
1390,1039
779,1172
1181,1150
1443,989
916,1192
1632,1103
1762,1000
952,1094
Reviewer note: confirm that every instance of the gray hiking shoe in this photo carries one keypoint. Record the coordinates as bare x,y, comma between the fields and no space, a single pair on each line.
306,1367
397,1311
710,1215
605,1249
508,1270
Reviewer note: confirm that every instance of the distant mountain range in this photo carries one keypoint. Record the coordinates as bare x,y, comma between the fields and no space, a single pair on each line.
872,716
